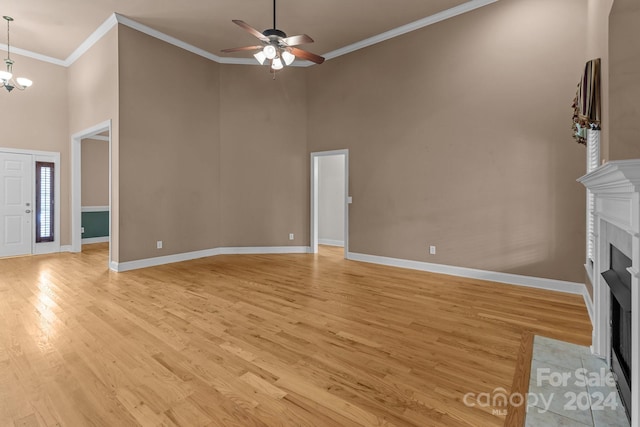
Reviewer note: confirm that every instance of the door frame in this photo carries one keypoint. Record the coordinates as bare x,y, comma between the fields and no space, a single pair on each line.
313,232
43,156
76,183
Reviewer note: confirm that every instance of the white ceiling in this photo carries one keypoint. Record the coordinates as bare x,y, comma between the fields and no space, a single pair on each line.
56,28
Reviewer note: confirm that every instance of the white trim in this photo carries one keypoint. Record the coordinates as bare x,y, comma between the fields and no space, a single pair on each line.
95,209
512,279
588,302
413,26
187,256
167,38
116,18
31,152
616,189
100,32
90,240
249,61
65,248
34,55
313,222
331,242
256,250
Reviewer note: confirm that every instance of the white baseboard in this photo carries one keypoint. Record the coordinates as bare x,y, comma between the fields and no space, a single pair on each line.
330,242
90,240
512,279
65,248
247,250
168,259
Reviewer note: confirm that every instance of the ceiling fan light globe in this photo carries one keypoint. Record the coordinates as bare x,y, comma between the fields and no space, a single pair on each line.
269,51
5,75
260,57
24,82
277,64
288,57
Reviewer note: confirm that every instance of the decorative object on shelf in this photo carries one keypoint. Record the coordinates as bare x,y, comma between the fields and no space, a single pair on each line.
6,77
587,103
276,48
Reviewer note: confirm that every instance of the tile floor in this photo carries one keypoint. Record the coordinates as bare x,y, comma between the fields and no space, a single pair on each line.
570,387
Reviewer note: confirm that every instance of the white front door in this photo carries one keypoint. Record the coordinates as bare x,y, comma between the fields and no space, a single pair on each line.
16,210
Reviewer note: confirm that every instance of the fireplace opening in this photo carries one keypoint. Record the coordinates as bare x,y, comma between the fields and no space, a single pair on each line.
619,280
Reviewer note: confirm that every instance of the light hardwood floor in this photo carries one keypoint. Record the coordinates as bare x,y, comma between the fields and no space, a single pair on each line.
300,340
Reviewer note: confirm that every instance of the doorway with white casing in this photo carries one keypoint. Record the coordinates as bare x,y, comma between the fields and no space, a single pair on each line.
91,217
330,200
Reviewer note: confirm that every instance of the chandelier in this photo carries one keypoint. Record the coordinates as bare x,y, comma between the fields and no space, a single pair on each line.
6,77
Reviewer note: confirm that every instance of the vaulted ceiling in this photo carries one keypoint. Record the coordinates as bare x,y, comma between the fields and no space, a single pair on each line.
57,27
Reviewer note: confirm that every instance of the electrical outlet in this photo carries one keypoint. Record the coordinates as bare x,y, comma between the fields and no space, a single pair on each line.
82,230
290,236
159,244
432,250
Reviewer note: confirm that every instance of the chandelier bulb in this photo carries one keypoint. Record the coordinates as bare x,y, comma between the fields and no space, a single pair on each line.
276,64
269,51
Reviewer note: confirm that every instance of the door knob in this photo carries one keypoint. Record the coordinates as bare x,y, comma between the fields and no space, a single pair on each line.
28,211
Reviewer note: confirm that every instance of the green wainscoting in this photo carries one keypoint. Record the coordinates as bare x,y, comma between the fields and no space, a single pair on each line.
96,224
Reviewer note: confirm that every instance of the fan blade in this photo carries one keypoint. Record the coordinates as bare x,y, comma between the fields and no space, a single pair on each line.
297,40
248,28
240,49
299,53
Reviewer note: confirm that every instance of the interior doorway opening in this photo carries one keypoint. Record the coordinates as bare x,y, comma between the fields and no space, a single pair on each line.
330,200
91,187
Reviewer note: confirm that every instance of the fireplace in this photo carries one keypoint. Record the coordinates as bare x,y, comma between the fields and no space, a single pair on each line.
615,274
618,279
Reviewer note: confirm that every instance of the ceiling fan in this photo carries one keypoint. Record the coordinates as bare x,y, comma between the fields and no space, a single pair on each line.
276,48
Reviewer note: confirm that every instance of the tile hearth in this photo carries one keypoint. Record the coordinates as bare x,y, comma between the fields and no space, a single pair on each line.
570,387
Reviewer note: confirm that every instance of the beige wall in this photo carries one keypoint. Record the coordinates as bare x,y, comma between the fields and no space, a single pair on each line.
95,172
624,80
93,99
169,148
37,119
598,47
265,165
457,133
459,137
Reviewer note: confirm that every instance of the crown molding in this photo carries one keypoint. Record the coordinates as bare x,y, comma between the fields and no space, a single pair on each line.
413,26
115,19
166,38
35,55
100,32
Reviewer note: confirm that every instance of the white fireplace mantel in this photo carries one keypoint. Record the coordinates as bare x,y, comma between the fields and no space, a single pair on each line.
616,189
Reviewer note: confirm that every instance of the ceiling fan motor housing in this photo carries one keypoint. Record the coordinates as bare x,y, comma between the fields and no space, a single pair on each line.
272,32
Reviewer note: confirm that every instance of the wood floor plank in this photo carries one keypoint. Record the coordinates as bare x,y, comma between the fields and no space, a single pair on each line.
263,340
